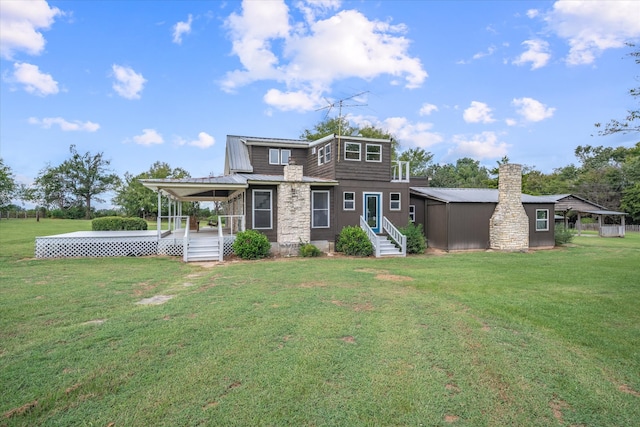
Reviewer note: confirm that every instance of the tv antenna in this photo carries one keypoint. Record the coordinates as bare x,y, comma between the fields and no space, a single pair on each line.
341,104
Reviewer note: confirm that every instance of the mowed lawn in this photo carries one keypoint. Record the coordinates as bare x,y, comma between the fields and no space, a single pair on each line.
545,338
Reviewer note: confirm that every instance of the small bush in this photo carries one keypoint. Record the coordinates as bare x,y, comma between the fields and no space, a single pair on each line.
416,243
353,240
116,223
251,244
563,235
309,250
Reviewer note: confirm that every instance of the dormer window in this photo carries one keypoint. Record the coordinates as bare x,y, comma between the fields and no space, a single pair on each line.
324,154
374,153
320,155
279,156
352,151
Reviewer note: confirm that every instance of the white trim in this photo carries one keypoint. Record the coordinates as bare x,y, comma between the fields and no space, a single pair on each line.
346,144
391,201
412,213
253,209
380,206
327,153
379,153
320,155
546,219
282,151
272,152
313,209
344,201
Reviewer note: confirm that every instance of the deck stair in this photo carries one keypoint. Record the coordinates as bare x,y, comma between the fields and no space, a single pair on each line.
207,249
388,248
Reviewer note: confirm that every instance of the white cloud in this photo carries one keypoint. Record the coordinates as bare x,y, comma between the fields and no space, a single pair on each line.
427,109
20,22
537,54
204,141
293,100
148,137
478,112
408,134
296,55
591,27
481,146
128,84
532,13
65,125
532,110
182,28
34,81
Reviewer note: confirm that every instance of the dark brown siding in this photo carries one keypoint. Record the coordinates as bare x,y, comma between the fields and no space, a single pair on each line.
273,233
326,233
421,212
260,159
436,224
540,239
326,170
363,170
469,225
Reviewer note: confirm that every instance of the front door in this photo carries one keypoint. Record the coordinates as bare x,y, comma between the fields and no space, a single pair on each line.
372,210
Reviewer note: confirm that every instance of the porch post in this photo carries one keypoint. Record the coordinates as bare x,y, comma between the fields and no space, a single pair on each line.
623,226
158,218
579,223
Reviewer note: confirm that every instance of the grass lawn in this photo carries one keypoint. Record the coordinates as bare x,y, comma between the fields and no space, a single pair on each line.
546,338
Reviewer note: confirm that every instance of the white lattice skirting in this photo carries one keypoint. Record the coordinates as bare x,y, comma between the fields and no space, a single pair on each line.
95,247
92,244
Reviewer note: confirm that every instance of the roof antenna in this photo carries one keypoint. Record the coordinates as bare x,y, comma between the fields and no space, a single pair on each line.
340,104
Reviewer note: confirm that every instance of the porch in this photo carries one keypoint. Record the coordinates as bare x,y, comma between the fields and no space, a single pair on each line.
209,243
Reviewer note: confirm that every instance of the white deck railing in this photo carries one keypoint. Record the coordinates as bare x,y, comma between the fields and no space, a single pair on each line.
234,223
400,171
373,237
395,234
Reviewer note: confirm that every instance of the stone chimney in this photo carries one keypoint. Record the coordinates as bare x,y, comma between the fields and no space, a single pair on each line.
294,210
509,224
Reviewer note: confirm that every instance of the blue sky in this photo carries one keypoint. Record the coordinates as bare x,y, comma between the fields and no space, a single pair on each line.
147,81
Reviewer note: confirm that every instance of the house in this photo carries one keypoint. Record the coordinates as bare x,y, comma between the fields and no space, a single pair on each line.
297,191
610,223
466,218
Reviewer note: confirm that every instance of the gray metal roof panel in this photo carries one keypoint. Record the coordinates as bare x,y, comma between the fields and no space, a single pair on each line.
472,195
237,155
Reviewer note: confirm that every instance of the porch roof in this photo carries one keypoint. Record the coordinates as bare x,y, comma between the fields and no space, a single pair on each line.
218,188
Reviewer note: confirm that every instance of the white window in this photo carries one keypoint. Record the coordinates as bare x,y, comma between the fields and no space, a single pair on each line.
542,219
320,155
262,209
327,153
412,213
279,157
394,201
374,153
274,156
284,157
352,151
349,201
319,209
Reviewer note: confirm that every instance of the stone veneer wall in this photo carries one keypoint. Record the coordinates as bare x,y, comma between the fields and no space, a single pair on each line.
294,210
509,224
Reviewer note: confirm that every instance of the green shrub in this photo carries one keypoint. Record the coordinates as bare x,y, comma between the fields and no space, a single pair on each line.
416,243
251,244
309,250
353,240
563,235
116,223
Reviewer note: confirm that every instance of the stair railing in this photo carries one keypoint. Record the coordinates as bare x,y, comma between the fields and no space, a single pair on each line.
395,234
185,243
373,237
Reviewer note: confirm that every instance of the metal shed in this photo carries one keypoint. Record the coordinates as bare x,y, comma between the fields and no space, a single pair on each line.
458,218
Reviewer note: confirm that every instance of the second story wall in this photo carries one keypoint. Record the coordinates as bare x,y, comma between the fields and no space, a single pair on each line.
271,160
363,160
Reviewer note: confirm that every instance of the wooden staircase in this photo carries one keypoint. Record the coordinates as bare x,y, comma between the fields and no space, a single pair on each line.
203,249
388,248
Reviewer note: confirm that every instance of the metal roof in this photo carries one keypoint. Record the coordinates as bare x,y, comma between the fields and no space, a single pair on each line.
237,156
605,212
471,195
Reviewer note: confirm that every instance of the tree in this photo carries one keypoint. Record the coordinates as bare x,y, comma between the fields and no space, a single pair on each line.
419,161
466,173
631,123
7,184
133,197
77,182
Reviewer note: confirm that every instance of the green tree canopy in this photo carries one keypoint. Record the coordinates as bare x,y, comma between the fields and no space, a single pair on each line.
419,161
7,184
132,196
466,173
